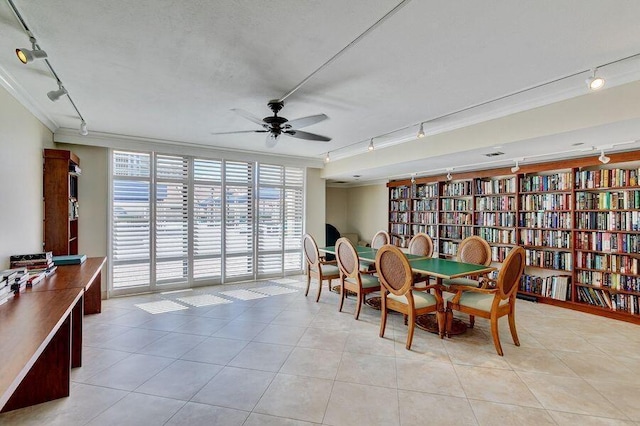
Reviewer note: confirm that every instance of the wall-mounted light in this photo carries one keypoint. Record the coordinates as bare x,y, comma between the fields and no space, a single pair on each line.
25,55
371,147
595,82
603,158
54,95
421,133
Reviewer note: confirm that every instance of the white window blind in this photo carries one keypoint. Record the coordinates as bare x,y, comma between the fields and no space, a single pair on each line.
183,220
239,229
171,230
131,213
207,211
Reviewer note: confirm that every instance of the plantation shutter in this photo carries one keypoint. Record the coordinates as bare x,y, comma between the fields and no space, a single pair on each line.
238,229
293,218
172,222
207,210
131,213
270,215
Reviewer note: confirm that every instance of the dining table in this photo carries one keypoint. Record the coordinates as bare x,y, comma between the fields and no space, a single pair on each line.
438,268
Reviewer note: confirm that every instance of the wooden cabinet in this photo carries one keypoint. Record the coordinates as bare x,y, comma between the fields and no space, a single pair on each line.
578,221
61,172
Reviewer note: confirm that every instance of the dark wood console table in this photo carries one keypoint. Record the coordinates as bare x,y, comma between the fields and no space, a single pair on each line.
41,334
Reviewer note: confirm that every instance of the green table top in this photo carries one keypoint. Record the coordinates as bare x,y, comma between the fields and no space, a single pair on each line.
366,253
447,269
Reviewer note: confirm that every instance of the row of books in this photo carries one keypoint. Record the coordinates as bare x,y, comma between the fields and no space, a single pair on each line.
425,205
430,230
457,218
507,219
395,216
608,262
456,189
545,202
610,280
496,203
498,236
608,242
616,302
545,238
400,192
427,191
607,178
456,205
609,221
610,200
496,186
425,217
548,219
549,259
399,205
455,232
554,182
555,286
499,253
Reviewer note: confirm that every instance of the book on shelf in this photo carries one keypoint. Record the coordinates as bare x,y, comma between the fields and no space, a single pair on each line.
20,258
35,278
71,259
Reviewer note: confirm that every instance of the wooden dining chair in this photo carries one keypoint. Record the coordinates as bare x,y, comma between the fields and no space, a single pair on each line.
381,238
317,265
491,303
421,244
398,294
351,279
472,250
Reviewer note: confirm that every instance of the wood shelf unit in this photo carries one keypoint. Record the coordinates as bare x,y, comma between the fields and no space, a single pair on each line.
578,220
60,187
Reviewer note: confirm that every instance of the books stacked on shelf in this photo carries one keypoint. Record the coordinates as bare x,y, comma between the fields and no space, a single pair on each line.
71,259
555,286
34,262
35,278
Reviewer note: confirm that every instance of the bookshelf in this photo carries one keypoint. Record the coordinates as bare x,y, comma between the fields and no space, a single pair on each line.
578,220
61,208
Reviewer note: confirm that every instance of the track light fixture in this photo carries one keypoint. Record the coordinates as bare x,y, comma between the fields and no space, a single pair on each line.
54,95
449,177
515,168
327,158
25,55
594,82
421,131
413,178
371,147
83,128
603,158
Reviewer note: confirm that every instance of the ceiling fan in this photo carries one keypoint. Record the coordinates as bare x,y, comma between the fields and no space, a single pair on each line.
275,125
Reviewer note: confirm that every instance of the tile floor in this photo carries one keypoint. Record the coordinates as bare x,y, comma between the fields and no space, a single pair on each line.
273,357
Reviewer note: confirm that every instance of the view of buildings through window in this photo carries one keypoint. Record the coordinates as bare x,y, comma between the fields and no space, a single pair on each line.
184,220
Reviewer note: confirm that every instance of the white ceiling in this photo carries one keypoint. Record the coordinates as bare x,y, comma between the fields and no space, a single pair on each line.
172,70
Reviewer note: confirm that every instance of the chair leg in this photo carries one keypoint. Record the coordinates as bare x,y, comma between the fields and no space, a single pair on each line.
308,281
319,289
343,292
358,305
512,327
495,334
383,313
472,321
440,315
412,325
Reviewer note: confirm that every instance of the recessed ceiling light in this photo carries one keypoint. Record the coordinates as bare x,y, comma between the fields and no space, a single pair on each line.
577,144
356,176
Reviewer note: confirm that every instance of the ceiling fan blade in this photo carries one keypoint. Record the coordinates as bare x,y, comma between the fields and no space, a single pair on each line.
299,123
306,135
248,116
239,131
272,140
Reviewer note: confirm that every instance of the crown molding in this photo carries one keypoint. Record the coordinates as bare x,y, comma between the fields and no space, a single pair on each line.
22,96
125,142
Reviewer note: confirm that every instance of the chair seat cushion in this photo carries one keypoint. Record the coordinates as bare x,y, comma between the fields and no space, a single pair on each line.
420,298
330,270
368,281
475,300
461,281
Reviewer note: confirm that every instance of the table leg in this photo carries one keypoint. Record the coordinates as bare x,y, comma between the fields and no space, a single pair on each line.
93,296
76,333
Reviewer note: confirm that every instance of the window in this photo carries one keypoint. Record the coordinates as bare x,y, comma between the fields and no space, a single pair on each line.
179,221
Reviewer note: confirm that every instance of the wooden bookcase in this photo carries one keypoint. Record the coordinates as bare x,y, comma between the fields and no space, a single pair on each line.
61,171
578,221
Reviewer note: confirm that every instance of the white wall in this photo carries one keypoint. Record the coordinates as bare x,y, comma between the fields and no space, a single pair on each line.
361,209
336,209
22,139
315,206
